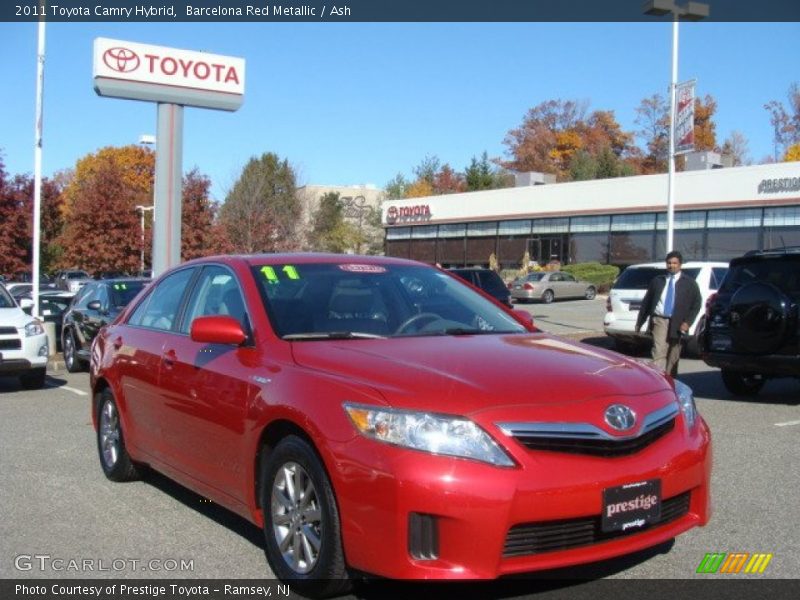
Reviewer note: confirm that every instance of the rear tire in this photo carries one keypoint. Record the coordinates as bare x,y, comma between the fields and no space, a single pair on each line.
114,459
548,296
71,360
742,384
301,521
591,292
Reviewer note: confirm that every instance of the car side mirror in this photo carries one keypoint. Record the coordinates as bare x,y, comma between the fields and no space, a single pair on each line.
524,317
217,329
94,305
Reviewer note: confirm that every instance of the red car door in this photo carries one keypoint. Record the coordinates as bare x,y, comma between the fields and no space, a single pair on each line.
138,347
206,389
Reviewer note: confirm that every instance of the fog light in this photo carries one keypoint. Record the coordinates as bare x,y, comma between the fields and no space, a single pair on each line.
43,349
423,536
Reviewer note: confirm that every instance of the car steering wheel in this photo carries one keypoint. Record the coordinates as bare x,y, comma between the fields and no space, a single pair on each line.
413,319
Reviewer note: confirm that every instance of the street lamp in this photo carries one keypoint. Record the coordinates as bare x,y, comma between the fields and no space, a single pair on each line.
691,11
142,209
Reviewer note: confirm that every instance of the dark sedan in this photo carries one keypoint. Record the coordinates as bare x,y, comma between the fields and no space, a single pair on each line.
97,304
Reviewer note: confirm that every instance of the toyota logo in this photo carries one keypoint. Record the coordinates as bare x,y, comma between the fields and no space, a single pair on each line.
620,417
121,60
391,214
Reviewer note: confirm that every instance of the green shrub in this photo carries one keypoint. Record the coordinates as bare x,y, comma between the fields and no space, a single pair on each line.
600,275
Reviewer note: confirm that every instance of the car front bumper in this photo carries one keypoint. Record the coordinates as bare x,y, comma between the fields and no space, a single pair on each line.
32,353
480,514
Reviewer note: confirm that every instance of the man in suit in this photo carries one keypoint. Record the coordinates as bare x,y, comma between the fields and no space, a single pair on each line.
671,303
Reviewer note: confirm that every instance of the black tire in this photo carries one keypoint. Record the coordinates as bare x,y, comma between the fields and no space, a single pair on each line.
742,384
114,459
590,293
548,296
324,574
71,360
33,380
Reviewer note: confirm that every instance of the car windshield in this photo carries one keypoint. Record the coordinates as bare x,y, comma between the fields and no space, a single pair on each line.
362,300
125,291
78,275
782,273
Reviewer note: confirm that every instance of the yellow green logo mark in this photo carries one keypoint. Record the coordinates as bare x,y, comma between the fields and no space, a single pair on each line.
734,562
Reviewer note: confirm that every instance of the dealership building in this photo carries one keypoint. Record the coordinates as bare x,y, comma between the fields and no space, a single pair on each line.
720,213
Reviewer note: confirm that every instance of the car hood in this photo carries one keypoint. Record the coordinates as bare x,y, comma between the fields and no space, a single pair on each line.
469,374
14,317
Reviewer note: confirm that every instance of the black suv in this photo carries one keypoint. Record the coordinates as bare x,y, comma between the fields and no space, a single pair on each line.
753,330
488,281
97,304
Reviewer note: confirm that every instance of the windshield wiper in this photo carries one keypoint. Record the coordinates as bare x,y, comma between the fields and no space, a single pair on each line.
332,335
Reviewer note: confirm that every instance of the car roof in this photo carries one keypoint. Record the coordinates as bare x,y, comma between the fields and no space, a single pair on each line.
300,258
692,264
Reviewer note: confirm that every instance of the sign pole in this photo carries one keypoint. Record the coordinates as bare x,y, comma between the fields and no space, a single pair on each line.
168,188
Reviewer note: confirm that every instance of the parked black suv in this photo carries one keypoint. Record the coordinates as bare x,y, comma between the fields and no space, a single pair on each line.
97,304
753,329
487,280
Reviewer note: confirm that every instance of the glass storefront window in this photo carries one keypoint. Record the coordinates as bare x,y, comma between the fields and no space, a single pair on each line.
725,245
693,219
423,231
482,229
515,227
550,225
781,216
639,222
598,223
452,230
740,217
398,233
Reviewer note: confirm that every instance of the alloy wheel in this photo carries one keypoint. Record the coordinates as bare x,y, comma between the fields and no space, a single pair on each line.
296,518
109,434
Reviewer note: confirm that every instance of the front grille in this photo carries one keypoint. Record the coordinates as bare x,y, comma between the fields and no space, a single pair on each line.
553,536
8,331
10,344
597,447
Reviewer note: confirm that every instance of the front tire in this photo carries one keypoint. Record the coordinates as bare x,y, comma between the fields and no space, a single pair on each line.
590,293
548,296
114,459
301,521
742,384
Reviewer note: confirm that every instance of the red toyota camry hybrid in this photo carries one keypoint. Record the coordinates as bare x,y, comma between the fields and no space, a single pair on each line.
380,415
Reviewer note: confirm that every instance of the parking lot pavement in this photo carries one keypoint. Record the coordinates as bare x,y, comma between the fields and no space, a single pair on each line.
56,502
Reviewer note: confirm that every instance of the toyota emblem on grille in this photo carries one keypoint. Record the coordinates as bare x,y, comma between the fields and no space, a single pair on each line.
121,60
620,417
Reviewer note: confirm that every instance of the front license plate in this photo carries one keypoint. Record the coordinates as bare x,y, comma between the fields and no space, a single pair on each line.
632,506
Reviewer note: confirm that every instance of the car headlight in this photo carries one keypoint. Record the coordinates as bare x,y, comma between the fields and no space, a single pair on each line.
34,328
686,401
437,434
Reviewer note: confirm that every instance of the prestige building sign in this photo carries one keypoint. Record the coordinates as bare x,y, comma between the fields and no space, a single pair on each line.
785,184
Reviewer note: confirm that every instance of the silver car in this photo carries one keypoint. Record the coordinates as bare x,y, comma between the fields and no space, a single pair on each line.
549,286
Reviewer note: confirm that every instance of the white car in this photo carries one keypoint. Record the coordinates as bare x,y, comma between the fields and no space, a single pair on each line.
628,291
23,344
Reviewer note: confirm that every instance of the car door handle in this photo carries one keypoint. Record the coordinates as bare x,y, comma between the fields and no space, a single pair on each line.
169,357
117,343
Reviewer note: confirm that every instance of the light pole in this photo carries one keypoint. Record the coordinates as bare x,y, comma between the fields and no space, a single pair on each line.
691,11
141,208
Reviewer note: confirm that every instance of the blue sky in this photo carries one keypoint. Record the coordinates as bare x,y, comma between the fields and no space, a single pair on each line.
357,103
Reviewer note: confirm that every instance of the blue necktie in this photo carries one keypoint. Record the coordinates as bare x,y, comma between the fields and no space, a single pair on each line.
669,300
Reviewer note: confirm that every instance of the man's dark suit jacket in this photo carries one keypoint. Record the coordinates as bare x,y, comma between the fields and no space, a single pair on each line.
687,303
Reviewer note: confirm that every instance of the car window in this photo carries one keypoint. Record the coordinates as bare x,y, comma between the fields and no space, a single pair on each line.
123,292
88,294
160,308
102,296
717,275
693,273
567,277
783,274
366,300
492,282
5,299
534,277
216,292
636,279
